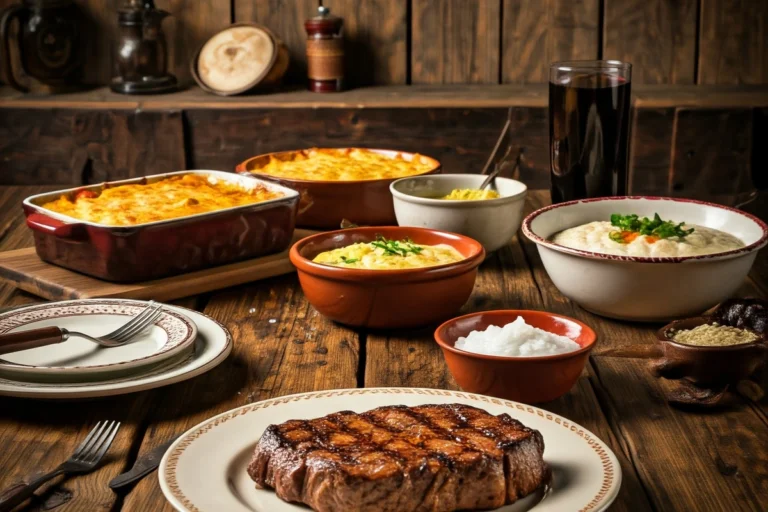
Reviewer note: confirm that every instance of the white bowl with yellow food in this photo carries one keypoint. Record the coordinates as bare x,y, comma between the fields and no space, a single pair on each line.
387,277
646,258
453,202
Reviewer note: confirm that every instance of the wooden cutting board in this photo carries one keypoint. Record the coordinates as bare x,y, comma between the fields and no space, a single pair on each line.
23,269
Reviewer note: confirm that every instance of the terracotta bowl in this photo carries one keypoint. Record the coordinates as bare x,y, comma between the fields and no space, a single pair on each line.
324,204
709,366
386,298
523,379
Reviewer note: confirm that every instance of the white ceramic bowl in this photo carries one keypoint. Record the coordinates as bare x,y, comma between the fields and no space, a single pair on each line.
645,289
492,222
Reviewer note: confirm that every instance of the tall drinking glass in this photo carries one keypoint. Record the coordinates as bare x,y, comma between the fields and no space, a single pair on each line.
588,128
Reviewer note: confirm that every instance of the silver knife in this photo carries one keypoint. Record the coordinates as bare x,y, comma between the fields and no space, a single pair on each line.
144,465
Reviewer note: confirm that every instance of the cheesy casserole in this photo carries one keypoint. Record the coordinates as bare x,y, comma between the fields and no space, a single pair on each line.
169,198
344,165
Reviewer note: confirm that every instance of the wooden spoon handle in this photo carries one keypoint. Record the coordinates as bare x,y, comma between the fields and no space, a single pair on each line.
34,338
637,351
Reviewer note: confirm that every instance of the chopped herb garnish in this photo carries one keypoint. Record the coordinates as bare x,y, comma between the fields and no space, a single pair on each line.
344,259
630,226
396,248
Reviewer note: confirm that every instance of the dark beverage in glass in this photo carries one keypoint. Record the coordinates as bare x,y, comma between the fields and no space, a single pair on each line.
588,129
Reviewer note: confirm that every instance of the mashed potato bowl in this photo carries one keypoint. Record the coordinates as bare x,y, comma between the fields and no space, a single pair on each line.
647,289
386,298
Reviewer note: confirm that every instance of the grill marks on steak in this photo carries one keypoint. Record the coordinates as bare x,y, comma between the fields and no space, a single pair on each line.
398,458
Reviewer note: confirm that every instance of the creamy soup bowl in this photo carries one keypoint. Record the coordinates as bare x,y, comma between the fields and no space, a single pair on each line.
641,288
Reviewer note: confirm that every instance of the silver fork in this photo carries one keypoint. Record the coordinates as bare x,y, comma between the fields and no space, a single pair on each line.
85,459
49,335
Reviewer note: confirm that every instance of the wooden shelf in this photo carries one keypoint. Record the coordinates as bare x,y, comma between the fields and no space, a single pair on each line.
415,96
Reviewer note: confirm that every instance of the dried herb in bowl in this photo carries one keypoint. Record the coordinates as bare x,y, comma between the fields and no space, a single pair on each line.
714,335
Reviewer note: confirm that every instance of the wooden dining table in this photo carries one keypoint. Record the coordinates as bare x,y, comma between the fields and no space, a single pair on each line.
672,457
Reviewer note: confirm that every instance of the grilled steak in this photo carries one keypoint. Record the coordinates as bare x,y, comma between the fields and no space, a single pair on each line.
425,458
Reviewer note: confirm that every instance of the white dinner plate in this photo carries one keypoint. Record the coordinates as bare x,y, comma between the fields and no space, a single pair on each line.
205,469
212,346
171,334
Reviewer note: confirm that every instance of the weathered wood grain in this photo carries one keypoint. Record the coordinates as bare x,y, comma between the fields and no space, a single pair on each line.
391,96
455,41
282,346
712,163
73,147
223,139
650,159
374,33
43,436
700,96
535,34
733,42
759,156
404,96
657,36
100,32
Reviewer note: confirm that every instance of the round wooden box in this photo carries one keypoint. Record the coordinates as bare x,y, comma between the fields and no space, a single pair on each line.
242,57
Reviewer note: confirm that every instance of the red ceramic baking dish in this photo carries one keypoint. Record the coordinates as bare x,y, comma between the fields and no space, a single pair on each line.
324,204
158,249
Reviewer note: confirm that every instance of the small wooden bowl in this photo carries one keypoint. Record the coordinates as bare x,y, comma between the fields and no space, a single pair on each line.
270,77
708,366
386,299
524,379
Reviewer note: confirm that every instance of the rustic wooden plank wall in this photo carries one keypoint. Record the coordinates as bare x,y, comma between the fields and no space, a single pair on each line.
481,41
71,147
657,36
537,33
733,42
455,41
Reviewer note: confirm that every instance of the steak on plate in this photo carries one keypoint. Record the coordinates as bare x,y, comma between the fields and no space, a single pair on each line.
436,458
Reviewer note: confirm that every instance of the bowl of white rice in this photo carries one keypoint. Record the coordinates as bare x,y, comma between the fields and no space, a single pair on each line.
522,355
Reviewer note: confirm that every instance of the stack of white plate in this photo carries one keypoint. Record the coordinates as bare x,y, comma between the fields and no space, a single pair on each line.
180,345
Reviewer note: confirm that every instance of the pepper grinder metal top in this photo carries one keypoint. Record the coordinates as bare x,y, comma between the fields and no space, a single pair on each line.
325,51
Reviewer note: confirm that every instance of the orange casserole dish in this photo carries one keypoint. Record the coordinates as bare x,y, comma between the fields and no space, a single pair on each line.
344,183
350,164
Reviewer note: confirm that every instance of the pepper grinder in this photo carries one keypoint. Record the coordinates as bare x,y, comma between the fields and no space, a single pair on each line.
325,51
